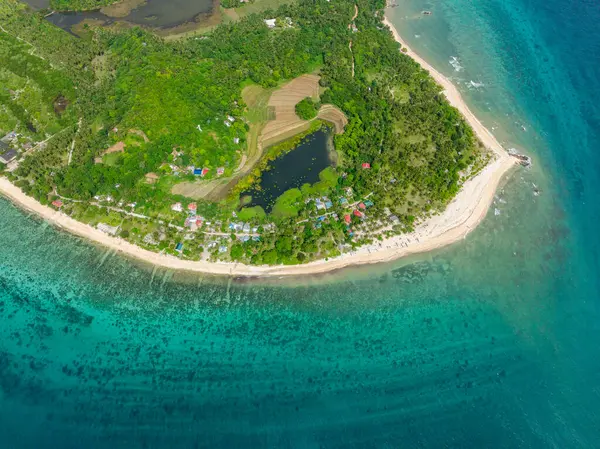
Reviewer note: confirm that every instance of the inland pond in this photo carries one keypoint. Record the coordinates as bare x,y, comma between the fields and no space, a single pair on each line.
300,166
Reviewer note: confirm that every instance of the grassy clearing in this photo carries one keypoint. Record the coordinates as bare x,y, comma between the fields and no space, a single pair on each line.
79,5
252,213
112,159
288,204
328,179
245,9
257,114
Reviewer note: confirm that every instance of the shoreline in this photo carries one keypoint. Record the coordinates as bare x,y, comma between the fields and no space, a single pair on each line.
460,217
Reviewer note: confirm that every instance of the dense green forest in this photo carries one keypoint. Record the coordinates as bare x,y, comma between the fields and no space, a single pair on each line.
178,104
306,109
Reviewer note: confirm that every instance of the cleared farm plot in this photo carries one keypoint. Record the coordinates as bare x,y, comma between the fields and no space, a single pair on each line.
283,102
271,116
332,114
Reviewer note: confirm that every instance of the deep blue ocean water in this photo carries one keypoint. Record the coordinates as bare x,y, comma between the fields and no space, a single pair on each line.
490,343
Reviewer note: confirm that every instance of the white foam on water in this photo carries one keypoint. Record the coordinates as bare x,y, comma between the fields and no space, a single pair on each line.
455,63
475,85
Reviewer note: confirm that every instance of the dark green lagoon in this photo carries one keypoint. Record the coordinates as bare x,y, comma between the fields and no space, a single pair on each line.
300,166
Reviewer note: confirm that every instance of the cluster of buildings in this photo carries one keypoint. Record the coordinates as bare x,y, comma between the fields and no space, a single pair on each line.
196,171
202,172
8,152
192,221
358,209
323,203
242,227
358,212
229,121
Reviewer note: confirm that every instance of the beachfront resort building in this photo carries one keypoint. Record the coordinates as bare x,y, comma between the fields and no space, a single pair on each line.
107,229
7,154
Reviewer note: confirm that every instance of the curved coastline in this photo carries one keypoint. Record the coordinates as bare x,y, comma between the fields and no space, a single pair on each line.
460,217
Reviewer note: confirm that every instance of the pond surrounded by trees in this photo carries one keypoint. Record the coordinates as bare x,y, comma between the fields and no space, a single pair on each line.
154,13
300,166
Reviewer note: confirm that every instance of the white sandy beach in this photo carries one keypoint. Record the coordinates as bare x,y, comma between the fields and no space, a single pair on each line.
461,216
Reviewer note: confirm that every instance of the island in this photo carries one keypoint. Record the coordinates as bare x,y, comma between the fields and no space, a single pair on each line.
294,140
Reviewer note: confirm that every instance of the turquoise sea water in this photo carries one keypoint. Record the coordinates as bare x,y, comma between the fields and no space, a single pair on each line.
492,342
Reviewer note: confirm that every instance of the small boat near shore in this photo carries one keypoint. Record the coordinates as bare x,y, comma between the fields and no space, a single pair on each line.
426,13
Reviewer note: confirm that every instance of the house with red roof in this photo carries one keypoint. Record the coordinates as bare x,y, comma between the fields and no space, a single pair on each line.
192,207
347,218
362,206
358,213
57,203
366,165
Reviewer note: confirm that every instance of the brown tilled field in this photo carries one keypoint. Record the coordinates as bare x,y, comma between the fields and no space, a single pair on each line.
282,103
332,114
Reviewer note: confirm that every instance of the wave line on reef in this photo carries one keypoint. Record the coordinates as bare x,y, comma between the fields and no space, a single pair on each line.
105,256
153,274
